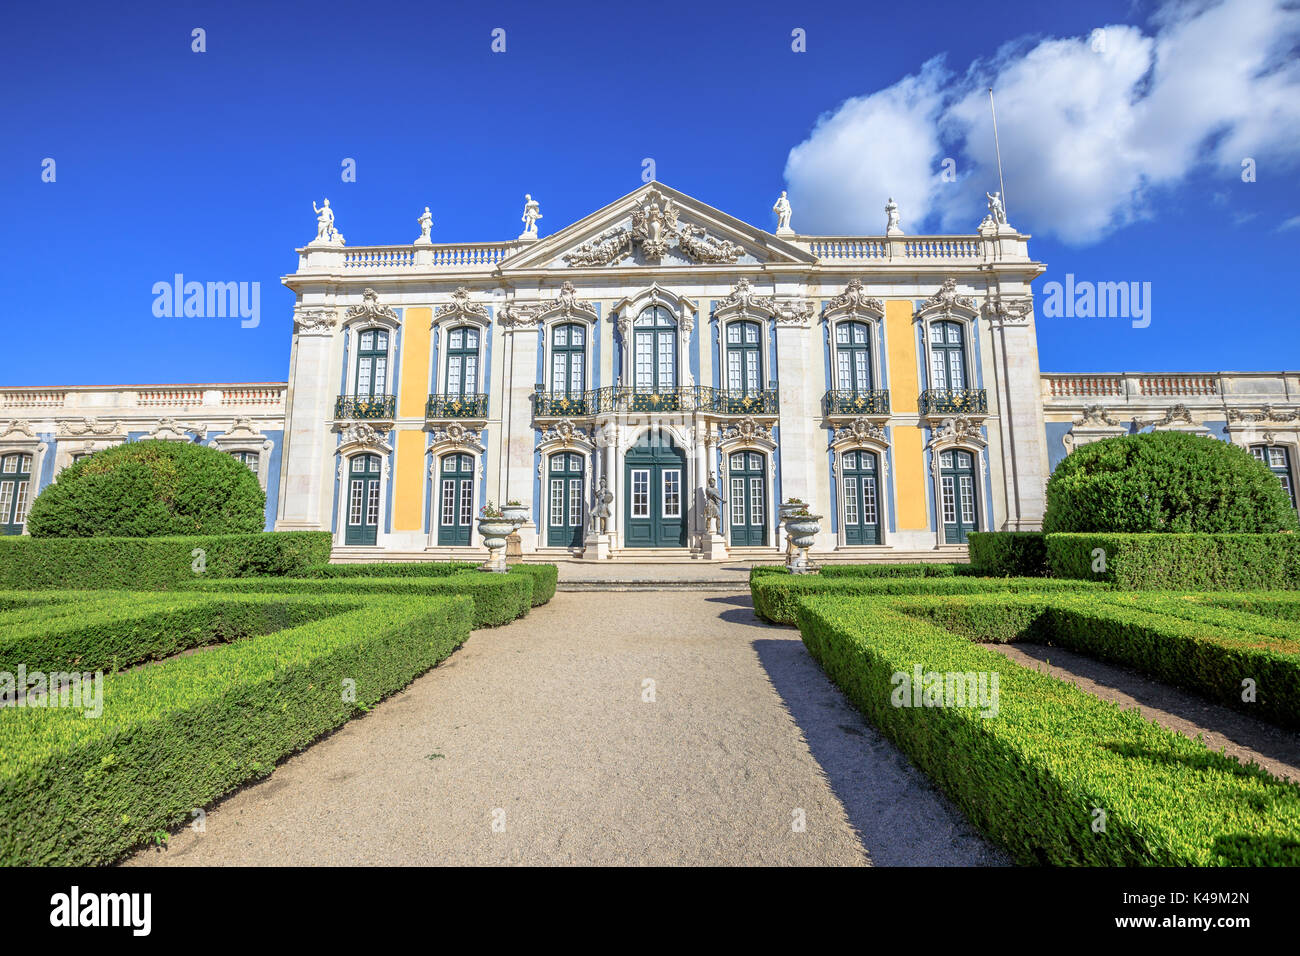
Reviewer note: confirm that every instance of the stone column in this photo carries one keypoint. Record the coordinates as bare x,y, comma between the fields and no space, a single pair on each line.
520,376
802,443
306,475
1023,433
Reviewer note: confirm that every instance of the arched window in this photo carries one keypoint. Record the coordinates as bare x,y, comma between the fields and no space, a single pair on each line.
462,362
655,351
568,360
15,492
947,356
1279,462
853,357
957,490
744,357
372,364
362,527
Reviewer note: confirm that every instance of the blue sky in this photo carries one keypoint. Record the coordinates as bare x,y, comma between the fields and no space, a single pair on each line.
206,164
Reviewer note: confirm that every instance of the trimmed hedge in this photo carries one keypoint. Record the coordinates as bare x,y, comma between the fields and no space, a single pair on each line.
150,488
1010,553
121,629
545,578
1179,562
1166,482
498,598
150,563
388,569
1210,657
177,735
894,570
775,597
1032,777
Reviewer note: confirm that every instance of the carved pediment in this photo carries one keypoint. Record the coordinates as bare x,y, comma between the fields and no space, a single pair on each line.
854,300
947,301
370,308
462,306
657,226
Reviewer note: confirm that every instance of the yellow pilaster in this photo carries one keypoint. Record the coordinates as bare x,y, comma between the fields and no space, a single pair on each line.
408,482
904,386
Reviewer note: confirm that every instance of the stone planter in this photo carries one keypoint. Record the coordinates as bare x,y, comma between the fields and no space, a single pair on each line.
517,514
494,532
801,530
785,510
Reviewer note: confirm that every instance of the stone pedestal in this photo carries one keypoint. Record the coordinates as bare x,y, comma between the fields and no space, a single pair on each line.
514,548
596,547
713,547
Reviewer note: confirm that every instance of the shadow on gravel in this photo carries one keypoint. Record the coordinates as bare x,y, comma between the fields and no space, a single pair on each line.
899,817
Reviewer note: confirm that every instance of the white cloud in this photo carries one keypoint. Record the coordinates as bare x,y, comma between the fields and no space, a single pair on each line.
1090,130
1288,224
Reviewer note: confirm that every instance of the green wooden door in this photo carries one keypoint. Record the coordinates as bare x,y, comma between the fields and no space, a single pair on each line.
861,506
363,500
456,501
957,492
564,499
655,494
747,499
15,492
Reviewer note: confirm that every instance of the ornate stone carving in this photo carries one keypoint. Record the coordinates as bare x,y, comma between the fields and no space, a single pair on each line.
14,429
458,436
794,312
1008,310
426,226
746,431
1096,415
958,431
1267,413
169,429
947,297
532,213
654,226
370,308
314,321
782,210
462,306
325,231
567,305
855,299
565,434
513,316
88,427
1174,415
892,227
860,430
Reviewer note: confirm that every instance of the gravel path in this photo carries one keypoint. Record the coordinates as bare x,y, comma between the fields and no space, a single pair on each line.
540,728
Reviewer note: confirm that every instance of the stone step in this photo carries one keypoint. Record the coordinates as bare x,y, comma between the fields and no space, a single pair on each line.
736,586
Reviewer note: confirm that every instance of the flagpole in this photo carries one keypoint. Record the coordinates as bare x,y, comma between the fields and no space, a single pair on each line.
998,146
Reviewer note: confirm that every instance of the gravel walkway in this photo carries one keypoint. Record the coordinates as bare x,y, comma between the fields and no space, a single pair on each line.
540,728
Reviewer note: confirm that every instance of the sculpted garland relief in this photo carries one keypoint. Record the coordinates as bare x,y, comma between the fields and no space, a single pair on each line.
654,227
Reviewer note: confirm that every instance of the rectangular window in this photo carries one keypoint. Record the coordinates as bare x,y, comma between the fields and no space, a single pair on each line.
557,371
575,501
734,381
967,500
20,510
448,501
453,376
949,502
751,371
737,462
381,374
557,502
354,501
6,500
850,500
644,361
956,374
667,373
640,493
868,500
575,373
471,375
672,493
756,501
737,501
466,501
372,506
938,371
864,373
363,378
845,373
10,463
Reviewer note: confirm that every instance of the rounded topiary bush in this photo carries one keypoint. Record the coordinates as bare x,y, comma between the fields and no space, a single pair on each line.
1165,482
147,489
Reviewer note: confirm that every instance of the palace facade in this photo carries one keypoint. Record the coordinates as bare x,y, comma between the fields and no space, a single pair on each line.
684,368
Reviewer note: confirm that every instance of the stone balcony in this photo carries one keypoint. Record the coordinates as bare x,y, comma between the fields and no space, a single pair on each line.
456,407
944,402
365,408
758,403
855,403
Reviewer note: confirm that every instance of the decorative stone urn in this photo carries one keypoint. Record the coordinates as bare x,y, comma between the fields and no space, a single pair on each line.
785,510
494,529
801,529
516,514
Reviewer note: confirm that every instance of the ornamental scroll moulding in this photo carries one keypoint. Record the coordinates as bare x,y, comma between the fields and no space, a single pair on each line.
654,228
371,308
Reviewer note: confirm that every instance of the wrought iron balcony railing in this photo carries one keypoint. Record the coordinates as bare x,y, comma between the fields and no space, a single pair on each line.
369,407
686,398
457,406
561,404
856,402
954,401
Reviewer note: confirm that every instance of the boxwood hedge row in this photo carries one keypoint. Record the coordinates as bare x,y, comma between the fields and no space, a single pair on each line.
775,595
388,569
177,735
149,563
498,598
121,629
1010,553
1211,656
895,570
1179,562
1034,776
